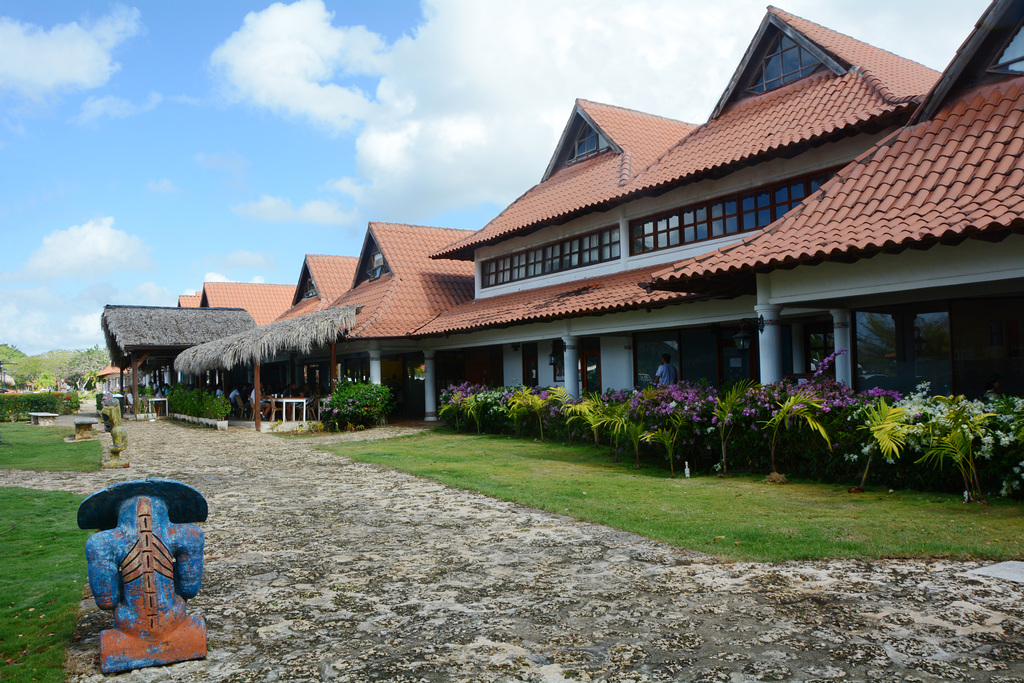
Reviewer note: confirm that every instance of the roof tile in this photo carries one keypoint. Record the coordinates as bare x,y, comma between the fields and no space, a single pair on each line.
953,197
263,301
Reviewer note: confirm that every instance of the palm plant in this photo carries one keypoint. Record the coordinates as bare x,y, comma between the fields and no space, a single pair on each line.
616,418
725,405
454,407
952,437
666,436
799,408
887,426
589,411
634,432
473,408
524,402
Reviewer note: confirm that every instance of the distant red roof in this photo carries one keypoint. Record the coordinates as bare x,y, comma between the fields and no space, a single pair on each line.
416,289
263,301
878,88
189,300
957,175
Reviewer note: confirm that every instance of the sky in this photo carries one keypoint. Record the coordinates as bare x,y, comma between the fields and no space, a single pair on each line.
148,147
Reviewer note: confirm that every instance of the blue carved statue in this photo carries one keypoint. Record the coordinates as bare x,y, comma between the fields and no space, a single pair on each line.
144,563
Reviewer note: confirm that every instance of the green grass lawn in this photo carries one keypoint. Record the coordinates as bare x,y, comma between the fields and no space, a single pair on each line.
42,553
24,447
42,574
737,518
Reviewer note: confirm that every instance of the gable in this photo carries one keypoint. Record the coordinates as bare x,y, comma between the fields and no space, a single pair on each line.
581,139
778,55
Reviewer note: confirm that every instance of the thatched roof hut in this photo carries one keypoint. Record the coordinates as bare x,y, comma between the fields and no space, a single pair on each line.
166,332
261,344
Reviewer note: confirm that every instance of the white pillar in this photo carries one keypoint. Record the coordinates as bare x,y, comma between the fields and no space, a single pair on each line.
429,386
571,360
799,353
375,364
841,333
770,343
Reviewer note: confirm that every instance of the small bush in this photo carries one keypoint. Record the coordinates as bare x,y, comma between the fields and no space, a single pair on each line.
357,405
197,403
17,406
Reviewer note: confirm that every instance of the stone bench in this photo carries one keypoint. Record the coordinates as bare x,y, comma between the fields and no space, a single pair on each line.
43,419
83,428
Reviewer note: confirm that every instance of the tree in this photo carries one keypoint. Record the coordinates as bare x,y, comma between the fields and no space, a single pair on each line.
886,424
79,367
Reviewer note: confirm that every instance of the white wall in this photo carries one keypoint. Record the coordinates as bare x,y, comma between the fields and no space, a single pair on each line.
513,365
616,362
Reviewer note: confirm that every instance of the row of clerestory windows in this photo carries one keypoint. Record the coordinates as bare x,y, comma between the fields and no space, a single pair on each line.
574,252
722,216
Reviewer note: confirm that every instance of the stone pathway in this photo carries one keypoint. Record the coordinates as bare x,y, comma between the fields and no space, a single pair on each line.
318,568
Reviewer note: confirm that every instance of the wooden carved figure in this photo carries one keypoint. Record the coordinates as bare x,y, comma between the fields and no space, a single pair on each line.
145,562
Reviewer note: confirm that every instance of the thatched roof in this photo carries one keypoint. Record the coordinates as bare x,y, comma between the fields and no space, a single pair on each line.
137,328
263,343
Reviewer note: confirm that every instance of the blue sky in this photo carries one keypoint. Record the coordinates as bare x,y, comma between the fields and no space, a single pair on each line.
146,147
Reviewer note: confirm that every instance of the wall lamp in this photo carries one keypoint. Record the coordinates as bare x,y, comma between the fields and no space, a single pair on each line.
742,338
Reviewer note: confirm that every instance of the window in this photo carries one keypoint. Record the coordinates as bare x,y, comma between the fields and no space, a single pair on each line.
1012,58
378,266
784,63
722,217
586,142
310,289
575,252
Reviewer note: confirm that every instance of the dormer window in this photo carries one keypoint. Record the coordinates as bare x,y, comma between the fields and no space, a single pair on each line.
586,142
784,63
310,290
378,266
1012,58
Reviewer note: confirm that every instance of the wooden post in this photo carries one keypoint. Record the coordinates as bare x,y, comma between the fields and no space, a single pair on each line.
135,387
256,412
334,366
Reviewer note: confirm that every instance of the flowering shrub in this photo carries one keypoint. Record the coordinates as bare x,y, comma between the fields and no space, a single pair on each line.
678,424
18,406
357,405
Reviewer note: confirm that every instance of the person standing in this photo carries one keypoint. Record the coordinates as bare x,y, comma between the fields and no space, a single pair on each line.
666,373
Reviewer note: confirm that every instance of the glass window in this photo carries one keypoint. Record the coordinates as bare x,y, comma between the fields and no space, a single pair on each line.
1013,55
784,63
649,347
989,344
586,142
898,349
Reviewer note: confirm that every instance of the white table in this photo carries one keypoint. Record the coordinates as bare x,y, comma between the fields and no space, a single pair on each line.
296,402
151,401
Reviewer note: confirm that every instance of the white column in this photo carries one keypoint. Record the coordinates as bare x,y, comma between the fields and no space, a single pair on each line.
429,386
571,359
770,343
841,332
375,364
799,353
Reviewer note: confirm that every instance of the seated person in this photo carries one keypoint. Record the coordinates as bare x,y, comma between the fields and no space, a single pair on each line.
266,405
235,399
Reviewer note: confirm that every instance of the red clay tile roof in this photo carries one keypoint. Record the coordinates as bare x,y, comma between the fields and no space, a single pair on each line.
642,137
897,78
263,301
333,276
189,300
953,176
416,289
591,296
815,109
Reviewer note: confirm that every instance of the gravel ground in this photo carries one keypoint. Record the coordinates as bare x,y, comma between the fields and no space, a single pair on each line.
319,568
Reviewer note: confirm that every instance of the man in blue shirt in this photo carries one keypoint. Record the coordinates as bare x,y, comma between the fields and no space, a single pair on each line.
666,373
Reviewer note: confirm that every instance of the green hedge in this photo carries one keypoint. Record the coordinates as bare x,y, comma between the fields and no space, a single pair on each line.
18,406
197,403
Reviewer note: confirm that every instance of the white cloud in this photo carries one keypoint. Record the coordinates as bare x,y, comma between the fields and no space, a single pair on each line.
249,259
162,186
152,294
467,107
277,210
84,251
114,107
215,277
37,319
286,57
35,62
